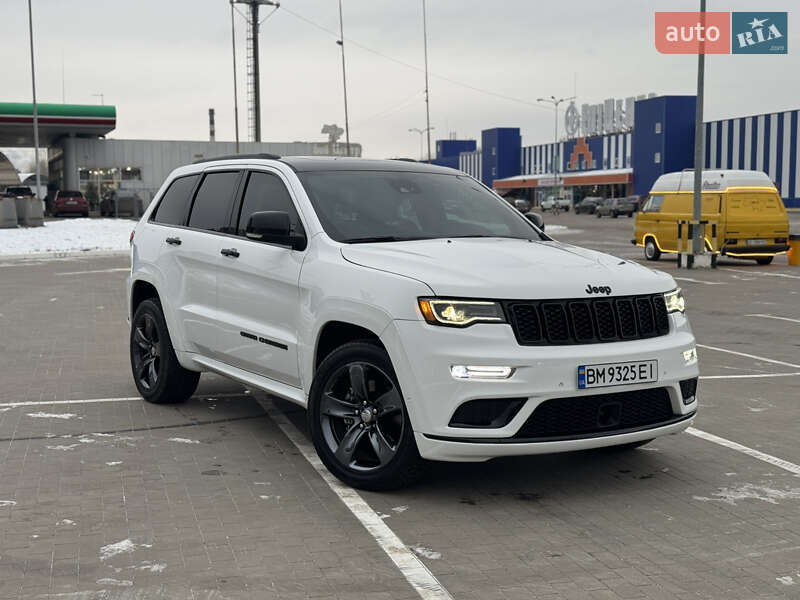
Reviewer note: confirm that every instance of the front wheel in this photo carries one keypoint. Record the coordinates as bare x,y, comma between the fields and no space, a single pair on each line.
158,375
651,251
358,420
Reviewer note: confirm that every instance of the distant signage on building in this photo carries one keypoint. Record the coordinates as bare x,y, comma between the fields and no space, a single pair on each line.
614,115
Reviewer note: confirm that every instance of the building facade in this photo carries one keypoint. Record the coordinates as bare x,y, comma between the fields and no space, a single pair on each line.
658,138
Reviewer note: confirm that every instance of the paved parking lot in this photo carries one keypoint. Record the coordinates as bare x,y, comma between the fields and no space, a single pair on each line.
104,496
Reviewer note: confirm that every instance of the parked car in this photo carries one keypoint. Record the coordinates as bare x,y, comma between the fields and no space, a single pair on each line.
69,202
17,191
551,202
587,205
614,207
745,205
346,286
121,203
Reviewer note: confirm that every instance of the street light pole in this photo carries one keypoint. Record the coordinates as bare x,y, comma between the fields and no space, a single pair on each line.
555,102
235,87
35,108
421,132
344,79
427,98
699,150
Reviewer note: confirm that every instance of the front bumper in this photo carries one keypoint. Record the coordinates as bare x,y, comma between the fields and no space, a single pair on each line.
422,355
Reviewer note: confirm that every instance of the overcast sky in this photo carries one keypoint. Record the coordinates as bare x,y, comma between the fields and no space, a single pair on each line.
164,63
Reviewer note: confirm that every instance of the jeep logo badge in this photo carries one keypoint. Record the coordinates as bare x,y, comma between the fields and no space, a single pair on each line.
593,289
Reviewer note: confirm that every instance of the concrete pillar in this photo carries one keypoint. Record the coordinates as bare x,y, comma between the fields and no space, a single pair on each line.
70,161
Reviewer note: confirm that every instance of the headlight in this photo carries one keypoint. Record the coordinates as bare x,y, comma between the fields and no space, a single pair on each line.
460,313
674,301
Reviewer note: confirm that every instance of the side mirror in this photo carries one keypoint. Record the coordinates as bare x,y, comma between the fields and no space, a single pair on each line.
536,219
274,227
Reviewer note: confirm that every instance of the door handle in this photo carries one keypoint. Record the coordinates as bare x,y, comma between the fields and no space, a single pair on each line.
174,241
232,252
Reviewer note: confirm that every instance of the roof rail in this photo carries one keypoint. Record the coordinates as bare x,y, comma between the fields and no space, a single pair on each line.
261,155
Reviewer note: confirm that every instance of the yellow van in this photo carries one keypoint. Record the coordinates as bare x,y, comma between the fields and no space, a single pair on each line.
749,213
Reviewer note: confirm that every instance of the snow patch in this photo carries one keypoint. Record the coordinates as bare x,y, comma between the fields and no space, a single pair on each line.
63,447
85,440
44,415
7,503
151,566
400,509
66,522
114,463
183,440
103,434
787,580
123,547
749,491
278,498
67,236
117,582
426,552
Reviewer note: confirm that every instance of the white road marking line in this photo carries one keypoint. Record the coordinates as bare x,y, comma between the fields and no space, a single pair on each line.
94,271
753,376
412,568
763,316
100,400
689,279
762,274
753,356
767,458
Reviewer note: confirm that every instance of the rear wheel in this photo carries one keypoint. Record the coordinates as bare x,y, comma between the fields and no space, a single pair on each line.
614,214
598,214
158,375
764,260
358,420
651,251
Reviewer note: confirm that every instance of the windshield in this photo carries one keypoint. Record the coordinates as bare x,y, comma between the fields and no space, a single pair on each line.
362,206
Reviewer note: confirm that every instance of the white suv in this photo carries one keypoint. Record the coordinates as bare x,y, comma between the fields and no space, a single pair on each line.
415,313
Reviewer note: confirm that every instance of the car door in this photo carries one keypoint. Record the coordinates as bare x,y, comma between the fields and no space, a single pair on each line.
190,260
258,296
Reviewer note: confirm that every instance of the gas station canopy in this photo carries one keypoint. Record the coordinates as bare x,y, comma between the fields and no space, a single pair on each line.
55,121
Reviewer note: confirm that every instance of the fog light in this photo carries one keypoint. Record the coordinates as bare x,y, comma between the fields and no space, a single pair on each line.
473,372
690,356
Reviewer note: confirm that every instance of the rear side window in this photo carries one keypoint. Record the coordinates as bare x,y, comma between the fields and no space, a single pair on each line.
174,205
266,192
212,204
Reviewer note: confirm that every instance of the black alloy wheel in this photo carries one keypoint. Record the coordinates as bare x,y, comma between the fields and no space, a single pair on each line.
358,421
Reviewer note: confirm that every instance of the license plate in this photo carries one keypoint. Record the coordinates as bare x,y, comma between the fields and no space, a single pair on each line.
624,373
756,242
72,201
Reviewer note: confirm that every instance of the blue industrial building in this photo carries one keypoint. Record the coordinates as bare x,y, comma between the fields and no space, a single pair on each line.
630,159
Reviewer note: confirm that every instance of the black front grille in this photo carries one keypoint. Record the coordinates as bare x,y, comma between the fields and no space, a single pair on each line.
583,416
563,322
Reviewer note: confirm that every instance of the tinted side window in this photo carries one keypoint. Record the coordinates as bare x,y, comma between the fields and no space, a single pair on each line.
212,204
174,205
266,192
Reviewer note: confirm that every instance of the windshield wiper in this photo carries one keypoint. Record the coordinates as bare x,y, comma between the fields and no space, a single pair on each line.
380,238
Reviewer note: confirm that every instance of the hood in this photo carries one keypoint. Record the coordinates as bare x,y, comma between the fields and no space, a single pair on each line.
507,269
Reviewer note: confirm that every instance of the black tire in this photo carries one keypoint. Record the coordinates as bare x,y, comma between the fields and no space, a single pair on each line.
614,215
630,214
764,260
598,214
158,375
651,251
386,431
